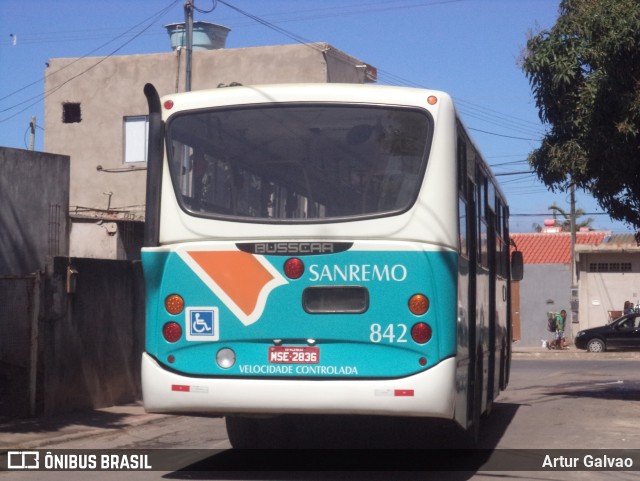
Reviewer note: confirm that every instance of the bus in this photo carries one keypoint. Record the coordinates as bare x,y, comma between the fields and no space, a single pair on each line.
322,249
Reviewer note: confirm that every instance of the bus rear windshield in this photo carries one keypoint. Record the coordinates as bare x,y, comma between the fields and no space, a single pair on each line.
298,163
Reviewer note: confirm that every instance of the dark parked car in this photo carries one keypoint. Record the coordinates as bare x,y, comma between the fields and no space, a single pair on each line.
622,333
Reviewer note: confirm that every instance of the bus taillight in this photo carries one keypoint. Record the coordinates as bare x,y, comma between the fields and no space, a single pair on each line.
419,304
174,304
172,331
294,268
421,332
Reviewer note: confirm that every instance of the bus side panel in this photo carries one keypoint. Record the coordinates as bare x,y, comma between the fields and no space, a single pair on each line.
463,348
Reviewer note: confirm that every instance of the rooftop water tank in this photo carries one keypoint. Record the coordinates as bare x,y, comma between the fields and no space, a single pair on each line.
206,35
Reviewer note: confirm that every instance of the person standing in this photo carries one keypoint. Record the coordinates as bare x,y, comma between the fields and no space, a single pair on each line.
560,322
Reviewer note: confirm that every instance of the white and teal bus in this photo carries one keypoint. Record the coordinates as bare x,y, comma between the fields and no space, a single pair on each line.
322,249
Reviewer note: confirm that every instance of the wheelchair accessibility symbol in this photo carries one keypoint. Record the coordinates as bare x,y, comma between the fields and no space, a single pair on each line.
203,324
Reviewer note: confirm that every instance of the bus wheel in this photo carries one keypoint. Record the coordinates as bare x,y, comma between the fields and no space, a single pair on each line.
242,432
256,432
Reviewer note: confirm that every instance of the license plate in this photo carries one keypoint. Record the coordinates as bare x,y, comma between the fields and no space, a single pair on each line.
294,354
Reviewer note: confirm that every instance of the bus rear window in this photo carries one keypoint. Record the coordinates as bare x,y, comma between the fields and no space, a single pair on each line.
297,163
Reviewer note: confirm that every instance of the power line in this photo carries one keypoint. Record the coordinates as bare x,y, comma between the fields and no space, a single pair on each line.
153,17
515,173
270,25
502,135
399,80
487,115
281,17
549,213
40,97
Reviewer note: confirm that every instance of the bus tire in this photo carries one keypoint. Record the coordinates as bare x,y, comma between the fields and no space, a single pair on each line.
243,432
257,432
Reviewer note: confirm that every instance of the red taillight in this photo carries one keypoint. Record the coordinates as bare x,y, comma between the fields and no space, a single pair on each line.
421,332
174,304
172,331
294,268
168,104
419,304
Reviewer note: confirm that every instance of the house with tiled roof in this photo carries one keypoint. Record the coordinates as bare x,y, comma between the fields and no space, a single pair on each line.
544,248
546,286
608,275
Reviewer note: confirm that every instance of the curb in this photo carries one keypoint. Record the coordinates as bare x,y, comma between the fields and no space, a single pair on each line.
573,353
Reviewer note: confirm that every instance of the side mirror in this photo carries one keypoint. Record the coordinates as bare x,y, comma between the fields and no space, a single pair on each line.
517,266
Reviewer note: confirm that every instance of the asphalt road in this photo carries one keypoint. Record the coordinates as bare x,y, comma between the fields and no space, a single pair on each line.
551,404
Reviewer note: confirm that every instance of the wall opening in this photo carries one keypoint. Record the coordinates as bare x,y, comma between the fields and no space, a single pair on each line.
71,113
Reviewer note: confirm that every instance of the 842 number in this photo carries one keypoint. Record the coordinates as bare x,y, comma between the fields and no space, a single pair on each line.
391,333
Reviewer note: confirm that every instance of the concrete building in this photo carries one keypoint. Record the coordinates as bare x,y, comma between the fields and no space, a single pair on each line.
546,286
95,112
608,275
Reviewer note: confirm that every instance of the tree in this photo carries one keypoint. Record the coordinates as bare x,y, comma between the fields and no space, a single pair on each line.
585,77
566,219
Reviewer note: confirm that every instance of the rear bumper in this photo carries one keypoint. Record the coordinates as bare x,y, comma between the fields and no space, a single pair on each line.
430,394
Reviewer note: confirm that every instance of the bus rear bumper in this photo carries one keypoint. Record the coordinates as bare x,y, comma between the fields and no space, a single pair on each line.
430,394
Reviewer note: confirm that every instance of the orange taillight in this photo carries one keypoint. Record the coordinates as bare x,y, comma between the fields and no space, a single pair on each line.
419,304
174,304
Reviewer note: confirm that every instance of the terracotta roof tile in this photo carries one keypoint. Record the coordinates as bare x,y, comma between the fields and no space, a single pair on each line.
542,248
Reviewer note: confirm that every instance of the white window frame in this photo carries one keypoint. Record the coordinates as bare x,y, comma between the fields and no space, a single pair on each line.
136,139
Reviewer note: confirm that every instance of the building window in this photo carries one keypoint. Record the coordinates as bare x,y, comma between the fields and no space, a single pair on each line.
610,267
71,113
136,137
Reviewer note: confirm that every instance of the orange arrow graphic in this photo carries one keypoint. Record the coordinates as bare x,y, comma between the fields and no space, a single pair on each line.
239,274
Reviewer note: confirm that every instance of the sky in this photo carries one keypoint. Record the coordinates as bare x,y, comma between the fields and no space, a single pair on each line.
468,48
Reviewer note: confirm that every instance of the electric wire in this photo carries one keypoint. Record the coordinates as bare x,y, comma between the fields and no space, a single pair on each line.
152,19
213,7
488,116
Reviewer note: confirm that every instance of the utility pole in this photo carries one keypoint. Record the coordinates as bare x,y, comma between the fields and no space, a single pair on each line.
573,233
32,128
574,280
188,25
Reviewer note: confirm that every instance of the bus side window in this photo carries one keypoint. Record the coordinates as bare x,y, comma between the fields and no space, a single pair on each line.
482,219
462,199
